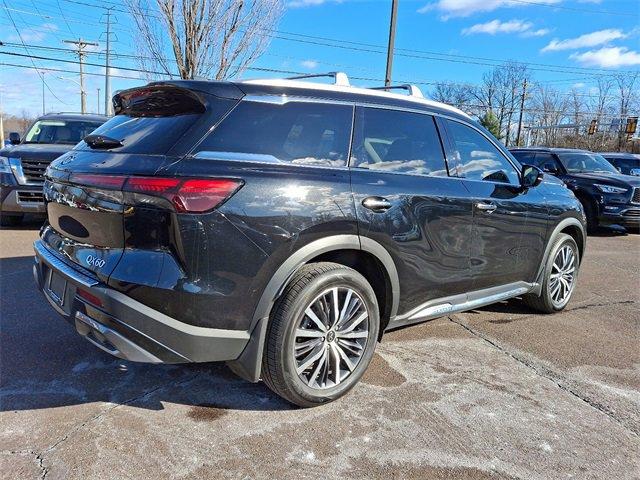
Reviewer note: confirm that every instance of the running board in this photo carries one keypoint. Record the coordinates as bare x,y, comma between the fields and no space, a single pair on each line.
460,303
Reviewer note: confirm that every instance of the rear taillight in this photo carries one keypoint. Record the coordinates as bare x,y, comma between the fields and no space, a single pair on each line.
187,195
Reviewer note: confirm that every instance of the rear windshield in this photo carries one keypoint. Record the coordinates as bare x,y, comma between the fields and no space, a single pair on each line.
303,133
66,132
151,120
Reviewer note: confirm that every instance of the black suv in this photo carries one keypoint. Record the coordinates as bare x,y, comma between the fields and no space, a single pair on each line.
608,197
283,226
627,163
22,164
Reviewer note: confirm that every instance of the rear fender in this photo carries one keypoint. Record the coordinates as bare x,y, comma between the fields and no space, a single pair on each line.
249,364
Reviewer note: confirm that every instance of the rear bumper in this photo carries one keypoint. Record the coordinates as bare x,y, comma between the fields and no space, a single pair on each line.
124,327
21,199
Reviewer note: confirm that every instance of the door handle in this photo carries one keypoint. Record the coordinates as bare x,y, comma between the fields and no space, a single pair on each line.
376,204
486,207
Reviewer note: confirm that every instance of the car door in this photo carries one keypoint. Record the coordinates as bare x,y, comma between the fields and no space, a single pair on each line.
406,201
509,227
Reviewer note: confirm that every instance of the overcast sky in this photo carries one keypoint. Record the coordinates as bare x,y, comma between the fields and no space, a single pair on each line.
570,42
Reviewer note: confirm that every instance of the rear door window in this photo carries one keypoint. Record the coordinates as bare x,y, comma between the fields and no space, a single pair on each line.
397,141
301,133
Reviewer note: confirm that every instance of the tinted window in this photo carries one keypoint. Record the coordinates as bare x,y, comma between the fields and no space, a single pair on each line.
546,162
578,162
478,158
524,157
395,141
295,132
60,131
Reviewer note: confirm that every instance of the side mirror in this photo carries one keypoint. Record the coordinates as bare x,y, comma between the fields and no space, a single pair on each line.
14,138
531,176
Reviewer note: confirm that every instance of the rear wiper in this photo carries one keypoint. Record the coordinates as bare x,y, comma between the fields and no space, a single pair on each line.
101,141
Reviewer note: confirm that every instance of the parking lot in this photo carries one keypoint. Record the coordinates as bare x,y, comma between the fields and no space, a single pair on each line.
496,393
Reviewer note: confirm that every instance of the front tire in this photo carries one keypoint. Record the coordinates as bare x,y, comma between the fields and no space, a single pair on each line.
559,276
321,336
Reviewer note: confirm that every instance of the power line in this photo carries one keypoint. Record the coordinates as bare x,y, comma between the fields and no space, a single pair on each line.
380,49
29,54
574,9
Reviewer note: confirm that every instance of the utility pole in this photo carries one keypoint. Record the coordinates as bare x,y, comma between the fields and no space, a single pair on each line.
98,101
524,94
107,69
392,39
80,46
42,78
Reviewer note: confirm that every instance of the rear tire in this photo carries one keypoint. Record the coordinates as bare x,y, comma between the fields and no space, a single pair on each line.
300,354
559,277
7,220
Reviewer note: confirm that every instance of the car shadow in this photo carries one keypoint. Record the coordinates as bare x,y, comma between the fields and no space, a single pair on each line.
29,222
45,363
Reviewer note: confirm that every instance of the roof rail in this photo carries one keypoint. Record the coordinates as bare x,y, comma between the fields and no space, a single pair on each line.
339,78
412,89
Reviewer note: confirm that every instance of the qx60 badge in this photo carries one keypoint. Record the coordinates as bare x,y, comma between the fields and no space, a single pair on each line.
95,262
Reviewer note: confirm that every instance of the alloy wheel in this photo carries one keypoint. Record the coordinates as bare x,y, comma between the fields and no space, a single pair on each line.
563,275
330,338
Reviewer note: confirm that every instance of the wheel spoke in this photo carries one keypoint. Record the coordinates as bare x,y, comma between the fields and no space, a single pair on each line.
306,333
321,363
312,357
353,324
304,347
336,367
336,308
347,301
314,318
350,365
362,334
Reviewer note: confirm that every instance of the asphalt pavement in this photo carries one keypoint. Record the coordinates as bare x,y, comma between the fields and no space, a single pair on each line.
500,392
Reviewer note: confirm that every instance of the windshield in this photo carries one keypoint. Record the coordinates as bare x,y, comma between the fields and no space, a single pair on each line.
60,131
578,162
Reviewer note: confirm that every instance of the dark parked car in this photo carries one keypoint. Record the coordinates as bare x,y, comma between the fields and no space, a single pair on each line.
608,197
627,163
284,226
22,164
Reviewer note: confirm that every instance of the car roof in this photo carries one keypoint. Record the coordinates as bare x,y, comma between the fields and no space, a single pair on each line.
549,149
91,117
621,155
316,90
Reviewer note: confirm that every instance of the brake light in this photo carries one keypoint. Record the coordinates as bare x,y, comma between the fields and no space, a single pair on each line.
187,195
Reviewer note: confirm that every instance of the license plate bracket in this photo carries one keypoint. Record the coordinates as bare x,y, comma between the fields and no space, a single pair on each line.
56,287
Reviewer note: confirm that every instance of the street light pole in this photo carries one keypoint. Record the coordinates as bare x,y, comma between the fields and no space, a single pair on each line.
392,38
98,101
43,106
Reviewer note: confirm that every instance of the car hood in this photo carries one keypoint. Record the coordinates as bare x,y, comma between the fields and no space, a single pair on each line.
40,151
609,179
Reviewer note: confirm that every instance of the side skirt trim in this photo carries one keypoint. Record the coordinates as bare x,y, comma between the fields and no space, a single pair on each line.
459,303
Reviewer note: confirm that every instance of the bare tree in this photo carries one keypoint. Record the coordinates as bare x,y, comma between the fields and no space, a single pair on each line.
208,38
457,94
549,108
500,91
